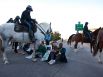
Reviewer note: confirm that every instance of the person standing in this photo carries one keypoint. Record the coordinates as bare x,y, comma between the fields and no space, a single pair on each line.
47,37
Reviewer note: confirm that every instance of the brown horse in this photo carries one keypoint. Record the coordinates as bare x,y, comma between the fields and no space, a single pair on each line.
98,45
76,38
79,37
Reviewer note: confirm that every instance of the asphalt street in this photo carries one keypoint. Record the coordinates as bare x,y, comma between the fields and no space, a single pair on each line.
80,64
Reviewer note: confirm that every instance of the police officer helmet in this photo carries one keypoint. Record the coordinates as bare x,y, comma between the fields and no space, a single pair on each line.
86,22
29,8
17,17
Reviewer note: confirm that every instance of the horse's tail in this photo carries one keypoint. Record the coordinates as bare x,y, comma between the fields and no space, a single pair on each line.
68,41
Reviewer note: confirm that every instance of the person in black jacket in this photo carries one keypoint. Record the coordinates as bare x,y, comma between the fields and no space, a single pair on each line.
27,21
17,20
86,31
10,20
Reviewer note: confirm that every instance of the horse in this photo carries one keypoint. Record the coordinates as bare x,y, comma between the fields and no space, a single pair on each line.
98,45
76,38
7,32
79,37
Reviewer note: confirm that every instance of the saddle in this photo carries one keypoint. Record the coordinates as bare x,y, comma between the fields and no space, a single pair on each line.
21,28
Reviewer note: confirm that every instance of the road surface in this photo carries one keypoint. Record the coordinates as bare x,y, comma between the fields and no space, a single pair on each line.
80,64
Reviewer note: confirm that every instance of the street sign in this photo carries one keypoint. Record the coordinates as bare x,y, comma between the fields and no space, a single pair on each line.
79,26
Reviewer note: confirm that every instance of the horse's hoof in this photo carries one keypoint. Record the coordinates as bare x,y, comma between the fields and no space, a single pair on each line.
6,62
75,50
100,62
81,47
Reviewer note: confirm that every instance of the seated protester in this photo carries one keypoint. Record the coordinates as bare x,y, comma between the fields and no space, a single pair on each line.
52,56
62,51
27,49
54,43
41,49
47,53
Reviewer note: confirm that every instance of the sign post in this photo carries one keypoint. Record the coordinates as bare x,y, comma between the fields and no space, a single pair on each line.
78,27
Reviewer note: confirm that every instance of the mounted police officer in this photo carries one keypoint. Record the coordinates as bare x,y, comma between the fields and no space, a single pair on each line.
87,32
10,20
17,20
26,20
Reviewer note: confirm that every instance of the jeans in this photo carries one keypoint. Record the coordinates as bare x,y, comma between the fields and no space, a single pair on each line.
88,35
31,34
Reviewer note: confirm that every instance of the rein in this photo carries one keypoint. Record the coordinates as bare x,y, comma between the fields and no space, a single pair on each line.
41,29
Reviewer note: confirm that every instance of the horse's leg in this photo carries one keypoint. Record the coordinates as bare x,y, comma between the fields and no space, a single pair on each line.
15,47
82,41
2,49
33,54
81,46
5,59
75,46
91,47
99,57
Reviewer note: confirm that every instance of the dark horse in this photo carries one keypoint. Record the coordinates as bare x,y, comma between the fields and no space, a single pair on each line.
79,37
98,45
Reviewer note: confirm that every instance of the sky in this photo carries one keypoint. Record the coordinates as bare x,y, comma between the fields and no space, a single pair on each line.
63,14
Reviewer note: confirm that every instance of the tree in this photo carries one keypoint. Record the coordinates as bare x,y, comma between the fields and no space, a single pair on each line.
55,36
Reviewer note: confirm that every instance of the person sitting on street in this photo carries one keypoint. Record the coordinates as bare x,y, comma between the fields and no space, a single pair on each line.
41,49
62,51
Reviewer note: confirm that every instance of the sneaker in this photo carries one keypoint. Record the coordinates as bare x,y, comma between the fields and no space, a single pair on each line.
51,62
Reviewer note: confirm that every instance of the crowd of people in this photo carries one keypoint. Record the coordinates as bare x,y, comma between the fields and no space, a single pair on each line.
51,53
46,51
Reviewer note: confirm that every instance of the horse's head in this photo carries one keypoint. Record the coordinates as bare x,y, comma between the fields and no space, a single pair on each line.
94,40
42,29
95,33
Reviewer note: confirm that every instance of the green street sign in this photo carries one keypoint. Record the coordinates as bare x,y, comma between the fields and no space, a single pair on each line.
79,26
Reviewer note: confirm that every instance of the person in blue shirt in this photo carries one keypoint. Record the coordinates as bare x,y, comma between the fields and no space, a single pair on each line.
47,37
62,53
